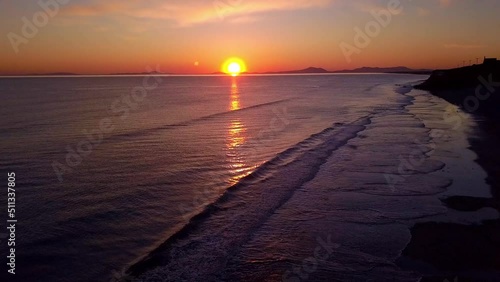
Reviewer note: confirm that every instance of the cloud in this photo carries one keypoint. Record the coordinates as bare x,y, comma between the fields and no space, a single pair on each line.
243,19
188,12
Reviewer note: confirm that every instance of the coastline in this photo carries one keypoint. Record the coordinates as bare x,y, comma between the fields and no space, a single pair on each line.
342,175
464,251
430,246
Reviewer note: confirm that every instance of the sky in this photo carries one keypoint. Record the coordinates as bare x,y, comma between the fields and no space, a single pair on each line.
197,36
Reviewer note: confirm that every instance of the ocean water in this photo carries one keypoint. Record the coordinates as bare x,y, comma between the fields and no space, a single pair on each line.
179,178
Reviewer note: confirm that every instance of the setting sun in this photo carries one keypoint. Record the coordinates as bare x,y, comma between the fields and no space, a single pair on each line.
234,66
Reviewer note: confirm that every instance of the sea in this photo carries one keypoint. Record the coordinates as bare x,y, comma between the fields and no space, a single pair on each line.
220,178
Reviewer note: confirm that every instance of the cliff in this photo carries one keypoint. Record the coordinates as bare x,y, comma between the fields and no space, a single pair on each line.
462,77
476,89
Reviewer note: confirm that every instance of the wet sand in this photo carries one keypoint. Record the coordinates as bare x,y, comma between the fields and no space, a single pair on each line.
443,251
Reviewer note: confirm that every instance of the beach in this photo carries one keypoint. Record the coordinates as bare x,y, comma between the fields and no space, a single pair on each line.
345,222
258,178
438,249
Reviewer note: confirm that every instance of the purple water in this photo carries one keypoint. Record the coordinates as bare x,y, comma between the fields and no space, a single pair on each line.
305,157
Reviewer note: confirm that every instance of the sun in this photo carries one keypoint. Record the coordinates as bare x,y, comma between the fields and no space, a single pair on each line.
234,66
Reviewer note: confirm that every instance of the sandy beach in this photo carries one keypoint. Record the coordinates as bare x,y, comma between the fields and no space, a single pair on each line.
465,249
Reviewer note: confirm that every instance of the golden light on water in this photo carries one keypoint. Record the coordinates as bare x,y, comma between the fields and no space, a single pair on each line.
237,130
236,138
235,97
234,66
236,134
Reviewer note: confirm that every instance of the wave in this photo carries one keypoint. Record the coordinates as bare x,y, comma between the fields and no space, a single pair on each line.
190,122
244,210
212,237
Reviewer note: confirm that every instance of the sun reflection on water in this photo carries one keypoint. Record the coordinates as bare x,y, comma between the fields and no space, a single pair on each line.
236,137
235,96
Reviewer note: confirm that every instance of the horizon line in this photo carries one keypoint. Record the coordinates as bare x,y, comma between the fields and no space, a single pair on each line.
321,71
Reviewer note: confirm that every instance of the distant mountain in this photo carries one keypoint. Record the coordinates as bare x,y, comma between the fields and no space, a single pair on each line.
358,70
307,70
79,74
52,74
399,69
138,73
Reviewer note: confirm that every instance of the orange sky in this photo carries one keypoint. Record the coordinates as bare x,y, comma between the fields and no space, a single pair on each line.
117,36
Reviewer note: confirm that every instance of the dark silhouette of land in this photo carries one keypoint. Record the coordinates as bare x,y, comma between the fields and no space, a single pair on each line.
476,89
53,74
314,70
399,69
307,70
462,77
80,74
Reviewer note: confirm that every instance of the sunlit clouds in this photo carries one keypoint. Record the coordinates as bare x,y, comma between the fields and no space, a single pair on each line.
196,36
182,13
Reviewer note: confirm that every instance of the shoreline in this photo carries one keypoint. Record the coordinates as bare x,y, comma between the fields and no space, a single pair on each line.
435,249
467,252
394,222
